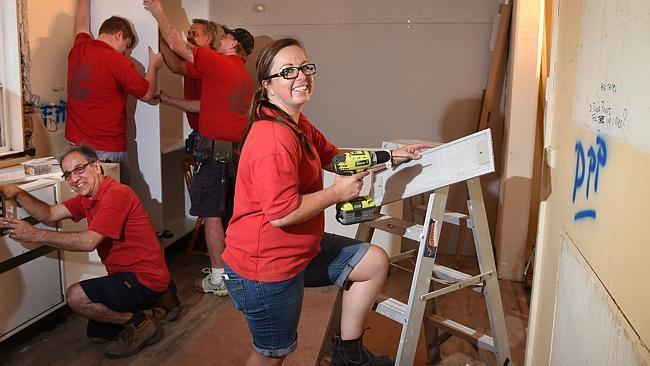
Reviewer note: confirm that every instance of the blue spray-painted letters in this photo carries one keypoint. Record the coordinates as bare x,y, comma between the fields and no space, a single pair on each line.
597,158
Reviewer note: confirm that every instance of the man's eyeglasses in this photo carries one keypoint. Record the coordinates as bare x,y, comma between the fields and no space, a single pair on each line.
292,72
78,170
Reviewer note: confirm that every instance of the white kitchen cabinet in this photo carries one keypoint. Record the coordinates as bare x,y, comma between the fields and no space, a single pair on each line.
31,274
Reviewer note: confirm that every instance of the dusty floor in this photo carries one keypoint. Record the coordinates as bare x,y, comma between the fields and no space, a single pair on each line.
211,332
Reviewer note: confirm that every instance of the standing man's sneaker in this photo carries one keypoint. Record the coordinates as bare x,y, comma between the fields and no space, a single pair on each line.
134,337
206,285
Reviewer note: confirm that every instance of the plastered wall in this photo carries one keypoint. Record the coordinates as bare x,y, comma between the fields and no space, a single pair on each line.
595,137
50,36
385,70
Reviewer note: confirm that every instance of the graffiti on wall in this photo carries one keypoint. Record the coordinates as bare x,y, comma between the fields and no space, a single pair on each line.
589,162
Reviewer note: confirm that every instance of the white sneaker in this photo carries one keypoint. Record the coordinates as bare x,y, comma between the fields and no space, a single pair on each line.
205,285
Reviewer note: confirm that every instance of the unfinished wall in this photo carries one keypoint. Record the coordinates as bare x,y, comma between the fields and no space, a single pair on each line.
50,36
586,312
596,138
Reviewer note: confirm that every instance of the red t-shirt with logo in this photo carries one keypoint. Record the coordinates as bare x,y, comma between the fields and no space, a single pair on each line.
226,93
273,172
192,91
99,81
131,244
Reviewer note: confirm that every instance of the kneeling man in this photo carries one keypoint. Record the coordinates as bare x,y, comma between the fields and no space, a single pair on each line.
120,229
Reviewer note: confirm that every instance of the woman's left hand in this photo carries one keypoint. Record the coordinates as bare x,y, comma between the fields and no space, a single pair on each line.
408,152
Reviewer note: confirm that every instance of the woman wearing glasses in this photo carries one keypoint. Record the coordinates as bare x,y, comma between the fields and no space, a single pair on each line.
275,244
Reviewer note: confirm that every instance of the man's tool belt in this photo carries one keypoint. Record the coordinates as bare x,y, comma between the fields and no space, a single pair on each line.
203,149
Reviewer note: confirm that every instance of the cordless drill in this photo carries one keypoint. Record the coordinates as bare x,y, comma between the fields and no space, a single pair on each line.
361,208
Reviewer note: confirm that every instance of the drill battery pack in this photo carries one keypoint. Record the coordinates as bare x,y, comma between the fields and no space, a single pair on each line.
355,211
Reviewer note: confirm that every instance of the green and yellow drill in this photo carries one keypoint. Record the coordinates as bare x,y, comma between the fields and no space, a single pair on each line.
361,208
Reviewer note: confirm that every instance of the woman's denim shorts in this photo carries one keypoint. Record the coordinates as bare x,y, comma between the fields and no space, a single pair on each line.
272,309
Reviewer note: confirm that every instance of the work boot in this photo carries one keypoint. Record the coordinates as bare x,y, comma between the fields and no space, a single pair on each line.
353,353
134,337
168,307
206,285
100,340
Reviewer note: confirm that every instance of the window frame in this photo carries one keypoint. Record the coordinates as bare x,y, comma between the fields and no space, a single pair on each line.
11,91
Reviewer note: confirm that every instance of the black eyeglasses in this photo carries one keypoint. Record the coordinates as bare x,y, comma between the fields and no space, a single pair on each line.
76,170
292,72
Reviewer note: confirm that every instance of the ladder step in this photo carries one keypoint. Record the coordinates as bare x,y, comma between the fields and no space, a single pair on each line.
397,226
451,275
408,229
450,217
477,338
403,255
392,309
456,217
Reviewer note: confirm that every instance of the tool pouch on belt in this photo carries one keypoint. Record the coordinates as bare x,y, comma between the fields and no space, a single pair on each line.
199,147
189,142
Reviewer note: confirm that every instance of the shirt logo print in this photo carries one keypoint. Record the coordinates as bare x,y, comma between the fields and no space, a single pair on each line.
241,98
79,81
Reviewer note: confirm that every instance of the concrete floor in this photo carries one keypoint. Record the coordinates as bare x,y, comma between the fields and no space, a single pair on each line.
211,332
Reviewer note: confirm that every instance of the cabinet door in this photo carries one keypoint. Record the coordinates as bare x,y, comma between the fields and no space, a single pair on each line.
31,276
29,291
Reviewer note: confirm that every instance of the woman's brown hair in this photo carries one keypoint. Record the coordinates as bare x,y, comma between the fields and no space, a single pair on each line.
260,106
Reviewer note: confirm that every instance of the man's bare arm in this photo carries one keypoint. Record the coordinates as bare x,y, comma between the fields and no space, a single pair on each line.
186,105
22,231
38,209
155,63
83,241
174,63
82,17
170,34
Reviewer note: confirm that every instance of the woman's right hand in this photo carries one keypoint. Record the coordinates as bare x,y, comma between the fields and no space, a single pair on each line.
349,186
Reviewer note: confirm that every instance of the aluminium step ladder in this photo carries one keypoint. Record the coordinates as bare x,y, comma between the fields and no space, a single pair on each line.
420,308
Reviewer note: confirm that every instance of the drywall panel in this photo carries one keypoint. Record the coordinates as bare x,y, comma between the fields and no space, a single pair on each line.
589,327
381,65
345,11
599,180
